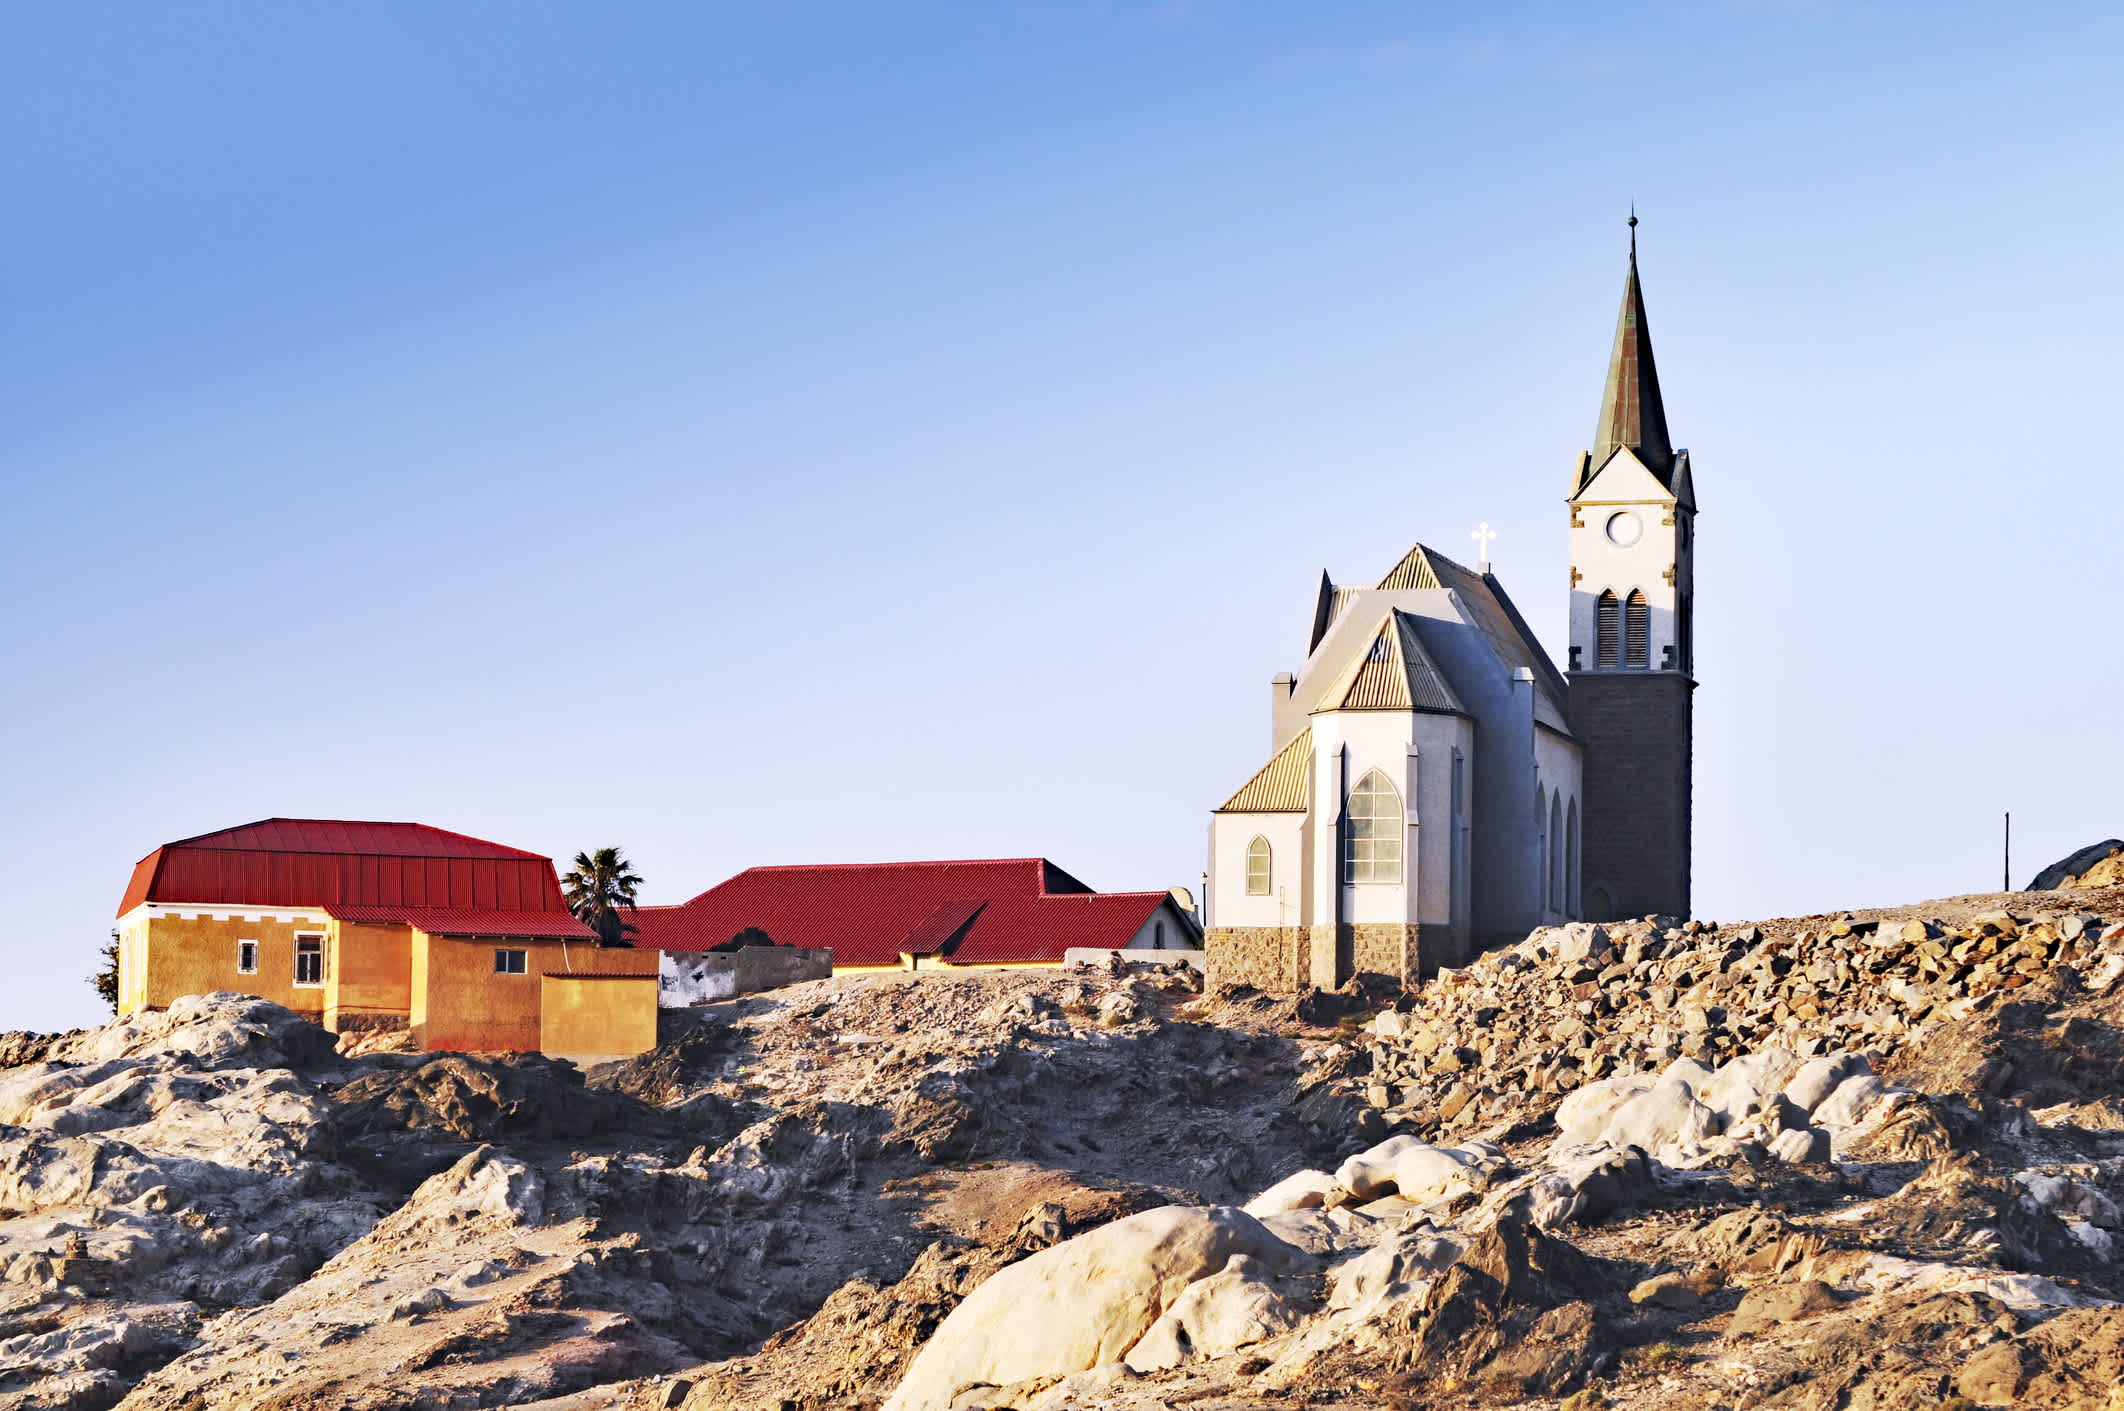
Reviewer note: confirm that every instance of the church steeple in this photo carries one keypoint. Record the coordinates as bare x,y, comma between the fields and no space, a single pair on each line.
1631,413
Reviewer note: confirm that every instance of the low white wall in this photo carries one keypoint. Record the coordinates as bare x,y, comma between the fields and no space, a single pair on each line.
686,978
1094,955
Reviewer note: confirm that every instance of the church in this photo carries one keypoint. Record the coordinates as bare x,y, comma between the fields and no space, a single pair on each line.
1435,785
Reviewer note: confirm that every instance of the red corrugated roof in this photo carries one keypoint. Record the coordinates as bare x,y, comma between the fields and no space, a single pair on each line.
319,861
1020,909
467,921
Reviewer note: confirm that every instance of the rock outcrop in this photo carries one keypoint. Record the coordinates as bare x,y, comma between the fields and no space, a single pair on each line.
1870,1159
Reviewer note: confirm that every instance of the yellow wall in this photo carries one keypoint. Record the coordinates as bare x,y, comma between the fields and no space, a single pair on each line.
169,956
597,1016
460,1003
368,972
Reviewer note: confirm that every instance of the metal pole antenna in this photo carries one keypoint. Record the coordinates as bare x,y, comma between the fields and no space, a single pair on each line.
2007,885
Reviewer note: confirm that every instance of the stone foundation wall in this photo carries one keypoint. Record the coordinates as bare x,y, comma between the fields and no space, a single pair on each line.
1271,958
1287,959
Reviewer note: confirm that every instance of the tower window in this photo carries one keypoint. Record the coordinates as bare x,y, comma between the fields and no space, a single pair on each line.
1259,867
1371,834
1607,630
1637,630
1687,643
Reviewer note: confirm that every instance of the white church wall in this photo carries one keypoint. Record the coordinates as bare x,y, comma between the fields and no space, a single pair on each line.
1436,737
1230,834
1502,846
1379,739
1558,766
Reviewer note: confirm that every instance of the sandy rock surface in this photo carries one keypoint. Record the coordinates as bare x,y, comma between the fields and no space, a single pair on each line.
1869,1159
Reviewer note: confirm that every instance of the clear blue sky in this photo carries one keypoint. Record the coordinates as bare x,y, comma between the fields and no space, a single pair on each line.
758,434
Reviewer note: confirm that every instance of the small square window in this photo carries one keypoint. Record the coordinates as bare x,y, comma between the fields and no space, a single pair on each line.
309,960
247,957
509,962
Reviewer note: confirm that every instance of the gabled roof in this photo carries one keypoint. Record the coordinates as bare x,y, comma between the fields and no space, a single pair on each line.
1327,607
1484,600
971,913
1414,571
340,835
1283,785
1395,673
279,862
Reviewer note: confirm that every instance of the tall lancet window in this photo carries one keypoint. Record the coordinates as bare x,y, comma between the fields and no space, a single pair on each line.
1556,852
1637,630
1258,867
1371,832
1607,630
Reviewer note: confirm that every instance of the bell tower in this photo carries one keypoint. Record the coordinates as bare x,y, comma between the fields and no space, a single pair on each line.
1633,542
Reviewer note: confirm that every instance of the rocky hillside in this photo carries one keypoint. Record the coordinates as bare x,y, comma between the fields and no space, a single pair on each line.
1873,1159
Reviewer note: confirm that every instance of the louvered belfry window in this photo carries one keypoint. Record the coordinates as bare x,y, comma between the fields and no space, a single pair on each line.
1607,630
1637,630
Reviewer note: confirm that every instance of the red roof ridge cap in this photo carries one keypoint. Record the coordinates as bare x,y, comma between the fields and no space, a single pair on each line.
928,862
344,823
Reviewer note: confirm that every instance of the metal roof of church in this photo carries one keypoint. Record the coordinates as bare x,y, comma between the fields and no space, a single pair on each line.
1395,673
1283,785
319,861
1632,412
972,913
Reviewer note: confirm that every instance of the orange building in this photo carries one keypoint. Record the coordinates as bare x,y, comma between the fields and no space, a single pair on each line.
368,925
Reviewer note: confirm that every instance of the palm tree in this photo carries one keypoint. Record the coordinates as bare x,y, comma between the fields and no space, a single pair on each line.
596,887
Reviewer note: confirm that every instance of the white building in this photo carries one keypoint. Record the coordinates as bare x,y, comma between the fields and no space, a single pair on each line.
1427,790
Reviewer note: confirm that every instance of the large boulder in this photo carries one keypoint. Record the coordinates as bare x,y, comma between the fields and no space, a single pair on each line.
219,1030
2053,877
1584,1114
1238,1305
1667,1114
1304,1190
1082,1303
1417,1171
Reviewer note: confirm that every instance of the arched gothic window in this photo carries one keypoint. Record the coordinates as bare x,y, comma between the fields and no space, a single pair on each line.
1572,900
1371,832
1637,630
1541,846
1556,852
1259,867
1607,630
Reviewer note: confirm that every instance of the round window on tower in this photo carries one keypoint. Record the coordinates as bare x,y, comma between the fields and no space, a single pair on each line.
1624,528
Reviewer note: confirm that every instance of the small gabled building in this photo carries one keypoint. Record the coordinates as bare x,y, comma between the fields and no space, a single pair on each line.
374,925
919,915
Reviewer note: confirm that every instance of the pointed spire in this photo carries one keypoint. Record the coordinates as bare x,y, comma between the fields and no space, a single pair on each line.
1631,413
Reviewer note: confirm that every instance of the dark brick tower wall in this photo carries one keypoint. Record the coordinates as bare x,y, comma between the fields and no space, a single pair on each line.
1636,727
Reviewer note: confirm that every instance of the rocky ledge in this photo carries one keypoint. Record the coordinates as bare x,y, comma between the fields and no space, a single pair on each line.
1864,1160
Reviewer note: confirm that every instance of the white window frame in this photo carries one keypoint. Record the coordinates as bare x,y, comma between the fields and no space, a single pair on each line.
1268,866
512,960
252,967
1372,841
300,937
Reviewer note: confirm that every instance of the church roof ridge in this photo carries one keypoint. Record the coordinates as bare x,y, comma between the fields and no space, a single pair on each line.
1418,568
1283,785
